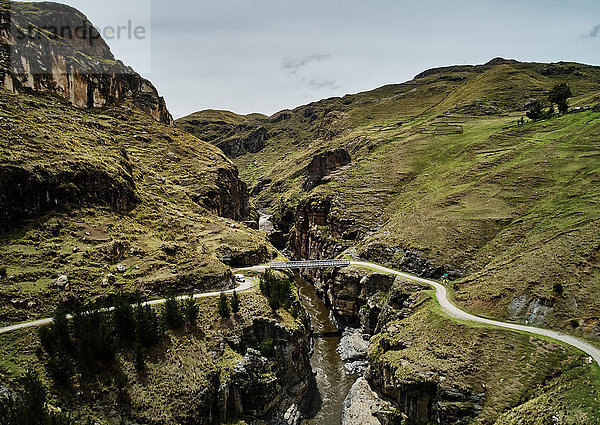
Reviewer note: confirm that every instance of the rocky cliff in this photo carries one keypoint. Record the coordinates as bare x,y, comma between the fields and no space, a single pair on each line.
76,182
54,48
277,388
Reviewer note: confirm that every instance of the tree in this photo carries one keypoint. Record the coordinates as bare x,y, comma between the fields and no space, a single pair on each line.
223,306
123,318
147,327
535,112
140,356
190,309
559,95
60,366
171,315
235,303
277,289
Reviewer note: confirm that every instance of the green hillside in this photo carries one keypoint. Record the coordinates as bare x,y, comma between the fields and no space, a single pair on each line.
86,191
443,179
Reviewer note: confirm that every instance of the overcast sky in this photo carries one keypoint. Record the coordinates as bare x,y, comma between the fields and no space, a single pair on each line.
267,55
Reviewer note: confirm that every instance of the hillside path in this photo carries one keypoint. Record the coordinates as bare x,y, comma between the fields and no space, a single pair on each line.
441,293
248,284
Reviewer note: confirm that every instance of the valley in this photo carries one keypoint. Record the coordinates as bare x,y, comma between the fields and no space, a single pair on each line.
471,234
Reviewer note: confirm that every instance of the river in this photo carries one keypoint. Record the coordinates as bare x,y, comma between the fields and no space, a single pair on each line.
332,382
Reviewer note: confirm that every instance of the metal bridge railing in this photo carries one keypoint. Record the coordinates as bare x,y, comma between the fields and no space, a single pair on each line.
309,264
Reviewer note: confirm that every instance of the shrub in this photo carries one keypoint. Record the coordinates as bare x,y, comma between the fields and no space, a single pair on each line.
171,314
28,407
235,303
139,356
278,290
147,326
558,288
223,306
123,318
267,347
536,111
60,366
190,310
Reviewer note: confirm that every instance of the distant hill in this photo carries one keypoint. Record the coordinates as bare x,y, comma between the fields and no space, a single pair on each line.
442,179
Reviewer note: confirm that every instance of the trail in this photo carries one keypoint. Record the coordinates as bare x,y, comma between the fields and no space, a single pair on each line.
245,286
441,293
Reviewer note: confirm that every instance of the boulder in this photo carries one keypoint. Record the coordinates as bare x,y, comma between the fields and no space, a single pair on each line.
61,282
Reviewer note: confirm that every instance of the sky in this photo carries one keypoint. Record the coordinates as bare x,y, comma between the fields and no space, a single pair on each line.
267,55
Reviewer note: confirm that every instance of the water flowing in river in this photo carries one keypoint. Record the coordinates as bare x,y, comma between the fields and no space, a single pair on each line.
332,382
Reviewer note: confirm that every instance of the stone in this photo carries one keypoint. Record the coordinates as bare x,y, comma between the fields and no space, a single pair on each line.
170,248
121,268
363,405
323,165
111,278
172,157
353,345
62,281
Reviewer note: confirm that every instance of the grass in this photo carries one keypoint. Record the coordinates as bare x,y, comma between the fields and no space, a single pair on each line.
515,208
518,374
50,140
178,370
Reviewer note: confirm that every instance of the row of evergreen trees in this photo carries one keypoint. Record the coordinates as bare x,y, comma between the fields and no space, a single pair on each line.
277,287
226,307
94,334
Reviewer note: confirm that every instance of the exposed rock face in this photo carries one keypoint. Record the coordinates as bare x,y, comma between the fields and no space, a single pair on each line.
315,231
414,262
26,193
345,291
277,389
533,311
70,59
363,406
230,196
323,165
247,138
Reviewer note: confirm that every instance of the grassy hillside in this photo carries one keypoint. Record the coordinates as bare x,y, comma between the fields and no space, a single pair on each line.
86,191
441,169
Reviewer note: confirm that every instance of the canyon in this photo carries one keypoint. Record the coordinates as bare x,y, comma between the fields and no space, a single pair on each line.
103,193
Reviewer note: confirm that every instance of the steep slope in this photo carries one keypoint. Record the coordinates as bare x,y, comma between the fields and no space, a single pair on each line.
44,48
105,196
442,179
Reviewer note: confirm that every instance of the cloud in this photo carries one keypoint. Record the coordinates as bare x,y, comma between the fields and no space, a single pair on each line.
594,32
322,83
293,63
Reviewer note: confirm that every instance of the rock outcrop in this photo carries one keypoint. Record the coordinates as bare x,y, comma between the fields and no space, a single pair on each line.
229,197
364,406
246,138
274,385
28,192
323,164
54,48
347,291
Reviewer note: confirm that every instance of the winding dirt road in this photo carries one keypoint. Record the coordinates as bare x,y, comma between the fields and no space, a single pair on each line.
441,294
248,283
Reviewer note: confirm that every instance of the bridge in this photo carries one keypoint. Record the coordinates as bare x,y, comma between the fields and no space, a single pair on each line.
309,264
